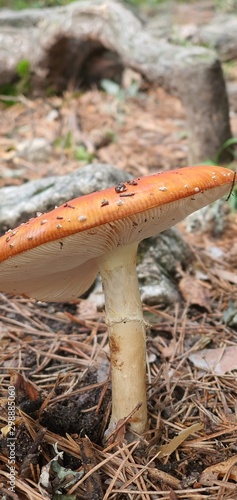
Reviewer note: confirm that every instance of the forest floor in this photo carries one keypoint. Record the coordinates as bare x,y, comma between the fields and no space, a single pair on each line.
54,358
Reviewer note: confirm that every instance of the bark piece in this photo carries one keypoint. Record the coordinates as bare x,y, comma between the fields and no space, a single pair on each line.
94,490
221,35
218,33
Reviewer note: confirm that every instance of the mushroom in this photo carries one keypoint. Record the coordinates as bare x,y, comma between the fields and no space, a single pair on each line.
56,257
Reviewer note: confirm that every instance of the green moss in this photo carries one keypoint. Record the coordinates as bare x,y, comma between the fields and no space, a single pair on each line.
32,4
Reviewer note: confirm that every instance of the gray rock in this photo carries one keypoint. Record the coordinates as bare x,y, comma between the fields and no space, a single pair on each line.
159,259
19,203
37,149
212,219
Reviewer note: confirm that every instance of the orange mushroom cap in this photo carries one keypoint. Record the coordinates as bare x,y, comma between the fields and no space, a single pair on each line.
54,256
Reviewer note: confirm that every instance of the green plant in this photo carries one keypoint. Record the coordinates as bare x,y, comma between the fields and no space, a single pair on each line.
21,86
65,141
227,145
68,140
23,71
8,89
233,200
32,4
82,154
23,68
114,89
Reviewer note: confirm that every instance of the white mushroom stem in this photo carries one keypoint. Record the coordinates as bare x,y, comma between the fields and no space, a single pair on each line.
127,336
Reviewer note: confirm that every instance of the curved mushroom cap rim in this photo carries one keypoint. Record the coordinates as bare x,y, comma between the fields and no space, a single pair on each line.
115,203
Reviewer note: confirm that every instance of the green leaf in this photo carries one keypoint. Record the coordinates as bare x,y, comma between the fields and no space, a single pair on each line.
23,68
82,154
110,87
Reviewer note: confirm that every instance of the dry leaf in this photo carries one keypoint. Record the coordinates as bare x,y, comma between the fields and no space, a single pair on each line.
226,275
216,472
87,309
219,361
6,429
169,350
25,389
169,448
193,292
173,495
